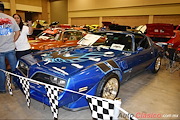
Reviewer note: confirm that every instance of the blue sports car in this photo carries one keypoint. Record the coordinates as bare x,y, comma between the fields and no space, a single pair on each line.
95,70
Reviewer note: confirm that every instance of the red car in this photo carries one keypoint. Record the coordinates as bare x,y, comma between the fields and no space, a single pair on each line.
163,34
56,37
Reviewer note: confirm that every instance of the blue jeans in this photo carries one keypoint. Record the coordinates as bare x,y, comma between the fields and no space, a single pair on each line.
11,57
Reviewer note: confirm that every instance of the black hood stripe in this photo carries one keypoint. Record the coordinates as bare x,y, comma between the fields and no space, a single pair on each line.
113,64
103,66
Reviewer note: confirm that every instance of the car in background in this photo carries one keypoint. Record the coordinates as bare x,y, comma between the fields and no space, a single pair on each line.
163,34
42,22
112,26
92,28
141,29
176,27
95,70
56,37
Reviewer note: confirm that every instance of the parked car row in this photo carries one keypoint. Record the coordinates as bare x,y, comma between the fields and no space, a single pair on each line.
161,34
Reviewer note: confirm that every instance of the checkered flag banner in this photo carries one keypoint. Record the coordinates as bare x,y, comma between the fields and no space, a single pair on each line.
8,83
52,93
25,85
101,109
106,109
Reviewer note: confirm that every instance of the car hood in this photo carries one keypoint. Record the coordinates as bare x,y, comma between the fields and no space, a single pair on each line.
70,60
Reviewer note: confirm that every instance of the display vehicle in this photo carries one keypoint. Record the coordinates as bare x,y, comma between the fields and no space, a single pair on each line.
56,37
95,70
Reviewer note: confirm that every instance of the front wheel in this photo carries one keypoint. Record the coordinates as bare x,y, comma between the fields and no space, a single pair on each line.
157,65
109,87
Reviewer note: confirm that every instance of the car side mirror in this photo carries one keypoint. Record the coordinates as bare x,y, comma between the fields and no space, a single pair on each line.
139,48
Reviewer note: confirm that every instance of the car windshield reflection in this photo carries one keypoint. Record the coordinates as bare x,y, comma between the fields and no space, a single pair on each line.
121,42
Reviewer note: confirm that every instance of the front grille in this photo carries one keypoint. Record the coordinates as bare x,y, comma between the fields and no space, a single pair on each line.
23,70
42,78
49,79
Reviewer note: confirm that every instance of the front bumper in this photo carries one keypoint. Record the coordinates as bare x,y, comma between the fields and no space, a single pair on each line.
38,92
69,100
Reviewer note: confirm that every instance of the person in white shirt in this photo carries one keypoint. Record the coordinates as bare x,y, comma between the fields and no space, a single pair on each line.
22,45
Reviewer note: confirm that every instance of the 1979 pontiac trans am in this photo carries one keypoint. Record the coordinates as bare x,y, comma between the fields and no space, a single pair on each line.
95,70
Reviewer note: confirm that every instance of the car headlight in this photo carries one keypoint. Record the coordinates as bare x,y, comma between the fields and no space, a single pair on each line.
58,81
45,78
22,67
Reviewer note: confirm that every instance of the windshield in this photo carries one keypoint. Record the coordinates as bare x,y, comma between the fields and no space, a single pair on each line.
72,35
119,42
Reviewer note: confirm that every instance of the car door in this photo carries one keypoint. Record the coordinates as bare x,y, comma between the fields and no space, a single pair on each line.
144,52
129,62
129,66
140,58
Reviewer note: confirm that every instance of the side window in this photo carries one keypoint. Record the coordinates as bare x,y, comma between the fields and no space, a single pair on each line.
72,35
66,35
127,41
141,41
138,38
57,36
145,43
79,35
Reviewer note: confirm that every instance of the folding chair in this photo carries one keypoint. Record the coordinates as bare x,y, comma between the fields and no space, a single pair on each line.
173,59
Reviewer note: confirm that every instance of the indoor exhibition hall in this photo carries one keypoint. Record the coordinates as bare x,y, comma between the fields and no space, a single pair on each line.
89,59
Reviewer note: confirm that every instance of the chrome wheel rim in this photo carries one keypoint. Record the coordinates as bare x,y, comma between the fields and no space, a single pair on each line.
158,63
111,88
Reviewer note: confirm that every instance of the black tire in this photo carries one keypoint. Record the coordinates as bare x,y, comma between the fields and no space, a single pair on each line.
157,65
112,91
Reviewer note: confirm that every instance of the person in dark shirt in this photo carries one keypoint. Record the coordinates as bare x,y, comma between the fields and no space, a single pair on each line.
38,25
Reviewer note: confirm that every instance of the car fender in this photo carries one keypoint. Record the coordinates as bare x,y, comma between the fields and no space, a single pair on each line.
117,72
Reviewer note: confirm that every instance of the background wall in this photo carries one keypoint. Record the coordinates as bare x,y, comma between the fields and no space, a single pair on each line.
128,20
29,2
167,19
75,5
124,12
80,12
59,11
85,20
38,9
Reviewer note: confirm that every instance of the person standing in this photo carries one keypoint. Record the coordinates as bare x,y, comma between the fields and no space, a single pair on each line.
9,33
22,45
